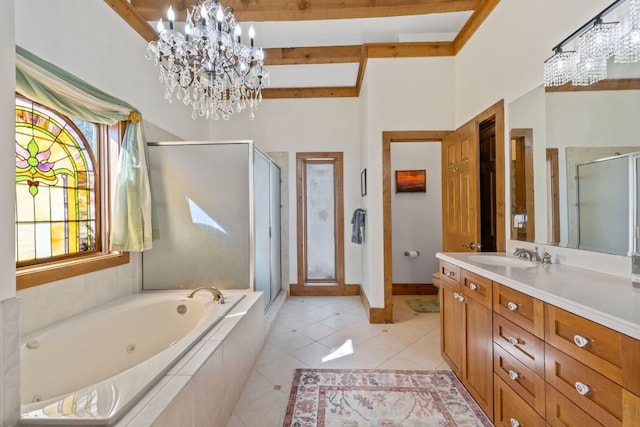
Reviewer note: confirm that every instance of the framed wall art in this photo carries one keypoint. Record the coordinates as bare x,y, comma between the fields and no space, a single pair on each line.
411,181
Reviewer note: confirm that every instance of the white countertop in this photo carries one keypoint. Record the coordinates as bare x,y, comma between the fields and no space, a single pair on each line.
603,298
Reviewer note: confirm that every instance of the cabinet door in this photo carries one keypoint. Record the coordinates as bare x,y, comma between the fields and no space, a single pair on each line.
452,326
478,354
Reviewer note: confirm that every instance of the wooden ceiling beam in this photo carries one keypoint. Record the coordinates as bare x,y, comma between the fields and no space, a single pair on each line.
133,18
310,92
312,55
473,23
409,50
294,10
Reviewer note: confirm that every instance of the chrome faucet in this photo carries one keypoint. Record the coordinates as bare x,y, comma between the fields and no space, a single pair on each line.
217,295
528,253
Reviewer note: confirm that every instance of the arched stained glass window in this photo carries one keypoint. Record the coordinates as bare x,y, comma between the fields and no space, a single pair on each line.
56,185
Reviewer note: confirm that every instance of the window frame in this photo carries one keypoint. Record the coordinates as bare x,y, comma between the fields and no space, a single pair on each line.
39,272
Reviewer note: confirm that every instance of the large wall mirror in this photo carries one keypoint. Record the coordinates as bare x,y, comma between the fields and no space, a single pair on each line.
574,154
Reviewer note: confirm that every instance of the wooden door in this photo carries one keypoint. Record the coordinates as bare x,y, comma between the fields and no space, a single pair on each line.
461,190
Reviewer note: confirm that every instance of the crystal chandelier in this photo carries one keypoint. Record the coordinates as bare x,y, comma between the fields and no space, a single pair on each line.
208,66
597,42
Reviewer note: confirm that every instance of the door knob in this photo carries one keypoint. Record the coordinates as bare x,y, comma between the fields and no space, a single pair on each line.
472,246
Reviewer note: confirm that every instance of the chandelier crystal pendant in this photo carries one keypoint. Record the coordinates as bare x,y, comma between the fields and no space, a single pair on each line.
208,66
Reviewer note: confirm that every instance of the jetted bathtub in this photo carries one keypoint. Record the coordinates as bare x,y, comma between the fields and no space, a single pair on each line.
92,368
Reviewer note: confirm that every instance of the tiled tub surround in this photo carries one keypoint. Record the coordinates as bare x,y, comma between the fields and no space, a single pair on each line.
198,384
603,298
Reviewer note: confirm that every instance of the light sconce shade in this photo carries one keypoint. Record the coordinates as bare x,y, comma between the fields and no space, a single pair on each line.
628,50
560,68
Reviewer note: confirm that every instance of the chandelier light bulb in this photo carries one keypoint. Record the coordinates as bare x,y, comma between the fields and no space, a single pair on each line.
238,31
203,14
252,32
219,14
170,14
160,26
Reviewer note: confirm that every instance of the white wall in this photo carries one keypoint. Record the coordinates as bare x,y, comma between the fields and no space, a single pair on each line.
504,58
7,163
300,125
401,94
416,217
9,307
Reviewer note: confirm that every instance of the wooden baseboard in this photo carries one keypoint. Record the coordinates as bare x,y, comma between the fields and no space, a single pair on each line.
414,289
324,291
375,315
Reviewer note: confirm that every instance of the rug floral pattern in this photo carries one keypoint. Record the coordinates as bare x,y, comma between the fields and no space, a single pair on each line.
380,398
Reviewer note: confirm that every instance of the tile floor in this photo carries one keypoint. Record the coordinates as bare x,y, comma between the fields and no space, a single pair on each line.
310,328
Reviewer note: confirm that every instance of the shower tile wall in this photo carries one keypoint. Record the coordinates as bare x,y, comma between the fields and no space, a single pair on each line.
44,305
10,362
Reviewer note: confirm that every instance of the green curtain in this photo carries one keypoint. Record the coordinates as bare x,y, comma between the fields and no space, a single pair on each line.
134,222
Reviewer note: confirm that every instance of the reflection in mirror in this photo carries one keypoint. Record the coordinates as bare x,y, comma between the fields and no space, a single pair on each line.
522,202
577,126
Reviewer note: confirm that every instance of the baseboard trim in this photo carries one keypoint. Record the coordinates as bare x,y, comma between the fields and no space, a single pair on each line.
325,291
414,289
375,315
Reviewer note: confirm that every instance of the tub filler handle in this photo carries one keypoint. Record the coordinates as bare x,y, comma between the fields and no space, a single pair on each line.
217,295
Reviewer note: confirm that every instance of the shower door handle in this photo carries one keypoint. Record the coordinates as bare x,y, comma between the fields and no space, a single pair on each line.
472,246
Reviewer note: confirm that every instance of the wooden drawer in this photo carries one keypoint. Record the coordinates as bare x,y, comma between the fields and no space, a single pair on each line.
602,398
449,273
525,347
523,310
561,412
615,355
522,379
511,410
477,288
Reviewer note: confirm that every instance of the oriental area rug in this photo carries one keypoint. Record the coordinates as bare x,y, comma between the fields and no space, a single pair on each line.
380,398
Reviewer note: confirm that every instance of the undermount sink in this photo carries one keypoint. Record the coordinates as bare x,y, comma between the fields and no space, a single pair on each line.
501,261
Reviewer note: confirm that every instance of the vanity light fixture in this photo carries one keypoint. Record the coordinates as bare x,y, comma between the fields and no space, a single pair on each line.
597,42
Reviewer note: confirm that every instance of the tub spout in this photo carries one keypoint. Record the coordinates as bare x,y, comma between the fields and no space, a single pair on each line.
217,295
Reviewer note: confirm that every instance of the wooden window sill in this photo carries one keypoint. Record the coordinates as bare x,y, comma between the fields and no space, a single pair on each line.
27,277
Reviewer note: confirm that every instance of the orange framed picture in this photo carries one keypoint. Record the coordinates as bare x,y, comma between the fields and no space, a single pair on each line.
411,181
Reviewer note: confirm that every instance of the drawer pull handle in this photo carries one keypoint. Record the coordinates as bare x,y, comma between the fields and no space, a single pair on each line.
513,374
582,388
512,306
580,341
450,274
458,296
473,286
514,422
513,341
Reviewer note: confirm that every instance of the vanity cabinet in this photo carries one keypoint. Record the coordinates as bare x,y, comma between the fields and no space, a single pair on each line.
467,328
537,364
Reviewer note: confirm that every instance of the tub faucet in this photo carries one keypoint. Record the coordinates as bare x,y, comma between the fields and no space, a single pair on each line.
528,253
217,295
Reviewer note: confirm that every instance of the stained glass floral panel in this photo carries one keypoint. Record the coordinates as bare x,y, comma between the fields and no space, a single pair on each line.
55,184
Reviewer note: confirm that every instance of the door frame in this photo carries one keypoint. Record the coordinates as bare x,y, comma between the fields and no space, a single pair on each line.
389,138
495,112
339,288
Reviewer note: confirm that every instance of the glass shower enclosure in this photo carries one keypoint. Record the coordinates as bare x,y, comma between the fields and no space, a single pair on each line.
218,206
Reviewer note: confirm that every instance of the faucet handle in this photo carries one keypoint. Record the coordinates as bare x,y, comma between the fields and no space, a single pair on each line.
546,258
